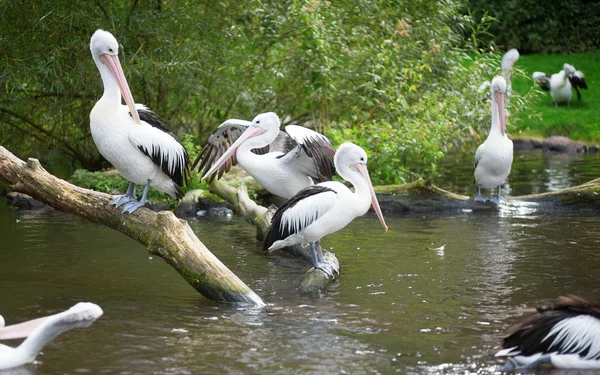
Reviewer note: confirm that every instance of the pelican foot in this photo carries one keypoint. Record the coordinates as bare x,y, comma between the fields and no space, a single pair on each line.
479,198
122,199
132,206
329,270
512,364
498,200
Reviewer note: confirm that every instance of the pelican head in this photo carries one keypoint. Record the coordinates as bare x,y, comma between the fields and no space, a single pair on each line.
569,69
498,89
105,52
265,125
508,60
351,163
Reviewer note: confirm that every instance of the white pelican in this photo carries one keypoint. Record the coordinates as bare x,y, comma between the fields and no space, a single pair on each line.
560,84
41,331
565,334
508,61
131,137
494,157
325,208
284,169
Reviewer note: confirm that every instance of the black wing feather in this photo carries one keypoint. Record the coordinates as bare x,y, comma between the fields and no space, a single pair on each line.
322,154
277,231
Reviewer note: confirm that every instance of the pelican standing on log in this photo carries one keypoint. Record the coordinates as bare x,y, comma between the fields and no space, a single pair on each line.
561,83
131,137
494,157
325,208
41,331
275,163
565,334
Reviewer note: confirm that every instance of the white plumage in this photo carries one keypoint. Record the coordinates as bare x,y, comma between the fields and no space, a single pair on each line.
132,138
41,331
561,84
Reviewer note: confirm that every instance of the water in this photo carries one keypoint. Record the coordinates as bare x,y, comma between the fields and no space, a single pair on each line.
400,306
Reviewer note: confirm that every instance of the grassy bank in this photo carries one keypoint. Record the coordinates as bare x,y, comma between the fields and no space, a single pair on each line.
582,120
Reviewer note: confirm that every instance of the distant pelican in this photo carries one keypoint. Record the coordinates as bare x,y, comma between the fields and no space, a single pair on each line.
131,137
564,334
325,208
494,157
41,331
269,155
561,83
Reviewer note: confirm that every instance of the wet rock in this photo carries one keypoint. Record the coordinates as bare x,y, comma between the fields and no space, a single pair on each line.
593,149
3,191
220,211
199,200
527,143
559,143
23,201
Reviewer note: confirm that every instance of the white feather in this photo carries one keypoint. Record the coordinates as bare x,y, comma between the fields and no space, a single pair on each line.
301,135
307,211
577,334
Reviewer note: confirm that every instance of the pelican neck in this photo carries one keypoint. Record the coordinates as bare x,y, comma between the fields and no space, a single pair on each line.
111,88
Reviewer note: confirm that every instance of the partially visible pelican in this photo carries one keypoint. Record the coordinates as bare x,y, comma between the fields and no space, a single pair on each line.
131,137
494,157
268,154
565,334
325,208
41,331
561,83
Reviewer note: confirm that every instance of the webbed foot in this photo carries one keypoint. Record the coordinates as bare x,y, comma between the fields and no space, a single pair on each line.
329,270
130,207
498,200
122,199
479,198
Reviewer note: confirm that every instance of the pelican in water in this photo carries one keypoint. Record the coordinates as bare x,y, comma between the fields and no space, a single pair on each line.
565,334
494,157
41,331
131,137
268,154
325,208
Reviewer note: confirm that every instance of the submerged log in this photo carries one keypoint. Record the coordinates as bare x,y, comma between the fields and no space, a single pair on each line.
163,233
314,280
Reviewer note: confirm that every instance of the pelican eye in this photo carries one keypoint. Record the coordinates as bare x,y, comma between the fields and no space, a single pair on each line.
258,121
110,50
362,158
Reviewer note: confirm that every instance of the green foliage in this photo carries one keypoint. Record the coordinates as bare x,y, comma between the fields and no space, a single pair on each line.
580,121
389,75
541,26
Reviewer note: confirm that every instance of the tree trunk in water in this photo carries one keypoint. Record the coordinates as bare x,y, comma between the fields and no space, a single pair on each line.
164,234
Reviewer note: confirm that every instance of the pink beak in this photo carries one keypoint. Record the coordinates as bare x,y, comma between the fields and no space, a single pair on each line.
252,131
21,330
501,111
112,61
362,169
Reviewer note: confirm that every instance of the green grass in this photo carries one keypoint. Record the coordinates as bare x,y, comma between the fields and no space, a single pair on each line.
579,122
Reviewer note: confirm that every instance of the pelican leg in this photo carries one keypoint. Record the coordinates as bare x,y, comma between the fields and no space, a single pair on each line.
479,198
127,197
319,260
130,207
498,199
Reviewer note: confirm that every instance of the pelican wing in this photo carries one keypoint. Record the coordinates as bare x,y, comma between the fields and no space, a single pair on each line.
571,326
159,144
542,79
577,80
478,154
313,154
298,212
225,135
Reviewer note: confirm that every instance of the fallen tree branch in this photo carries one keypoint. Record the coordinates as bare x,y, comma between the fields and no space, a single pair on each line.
163,233
314,280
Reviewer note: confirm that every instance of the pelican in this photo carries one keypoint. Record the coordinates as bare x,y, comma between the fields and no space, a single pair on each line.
508,61
560,84
494,157
565,334
284,169
325,208
131,137
41,331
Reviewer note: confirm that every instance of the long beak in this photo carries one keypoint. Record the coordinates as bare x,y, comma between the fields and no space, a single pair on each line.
21,330
112,61
252,131
501,111
362,169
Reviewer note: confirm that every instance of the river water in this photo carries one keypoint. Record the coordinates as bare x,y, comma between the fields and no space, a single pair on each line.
402,305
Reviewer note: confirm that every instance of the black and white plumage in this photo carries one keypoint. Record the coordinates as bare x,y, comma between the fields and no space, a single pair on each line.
565,334
268,154
325,208
41,331
131,137
561,83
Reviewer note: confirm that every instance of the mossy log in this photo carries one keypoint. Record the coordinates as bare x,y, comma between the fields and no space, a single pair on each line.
232,188
423,195
163,233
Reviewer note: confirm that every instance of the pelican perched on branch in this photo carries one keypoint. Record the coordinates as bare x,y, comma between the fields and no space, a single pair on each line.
494,157
268,154
41,331
565,334
561,83
131,137
325,208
